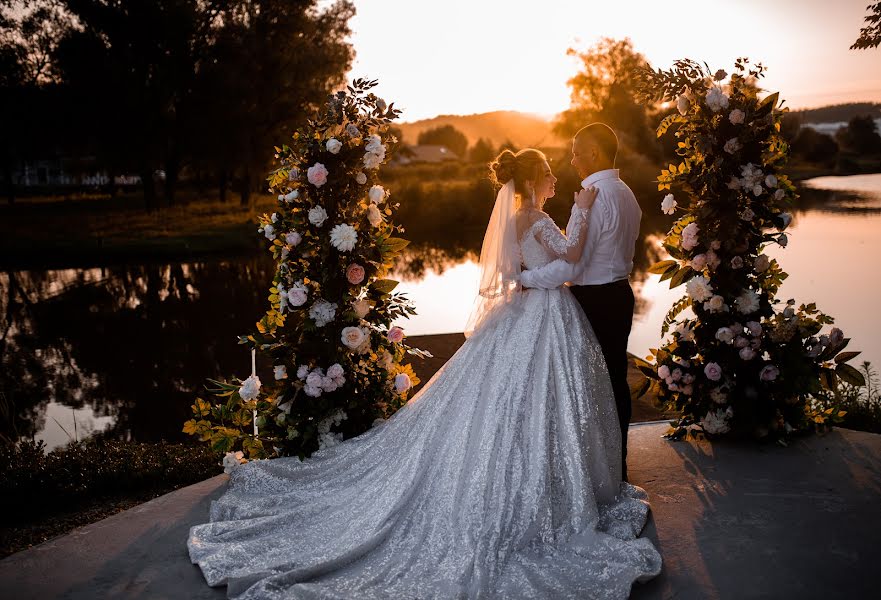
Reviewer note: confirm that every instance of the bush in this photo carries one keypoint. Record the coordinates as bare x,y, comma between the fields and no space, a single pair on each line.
33,483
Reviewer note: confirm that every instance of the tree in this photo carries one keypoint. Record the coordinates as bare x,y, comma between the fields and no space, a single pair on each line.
445,135
482,151
870,35
860,135
813,146
605,89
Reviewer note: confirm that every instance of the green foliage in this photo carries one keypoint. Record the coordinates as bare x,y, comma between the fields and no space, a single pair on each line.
328,331
34,483
746,363
860,136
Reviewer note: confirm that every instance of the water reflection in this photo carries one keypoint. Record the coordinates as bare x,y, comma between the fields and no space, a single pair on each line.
125,349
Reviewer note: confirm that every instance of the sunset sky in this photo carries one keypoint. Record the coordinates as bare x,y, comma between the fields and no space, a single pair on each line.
471,56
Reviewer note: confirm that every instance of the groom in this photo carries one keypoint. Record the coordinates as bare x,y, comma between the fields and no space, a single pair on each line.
600,279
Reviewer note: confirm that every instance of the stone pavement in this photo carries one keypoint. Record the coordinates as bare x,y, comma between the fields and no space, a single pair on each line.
732,521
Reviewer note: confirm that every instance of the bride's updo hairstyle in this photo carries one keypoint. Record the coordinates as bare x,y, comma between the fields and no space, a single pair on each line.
525,166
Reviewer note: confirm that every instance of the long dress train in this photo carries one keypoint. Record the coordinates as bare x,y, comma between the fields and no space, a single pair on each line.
499,479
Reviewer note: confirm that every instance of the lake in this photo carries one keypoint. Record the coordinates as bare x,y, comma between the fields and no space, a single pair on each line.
125,349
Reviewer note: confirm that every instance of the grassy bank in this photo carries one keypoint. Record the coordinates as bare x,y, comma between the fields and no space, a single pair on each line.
45,495
79,231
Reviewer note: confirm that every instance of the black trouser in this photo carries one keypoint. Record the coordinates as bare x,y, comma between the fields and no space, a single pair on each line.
609,308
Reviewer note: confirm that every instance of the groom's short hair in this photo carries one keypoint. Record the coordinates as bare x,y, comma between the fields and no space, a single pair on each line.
603,136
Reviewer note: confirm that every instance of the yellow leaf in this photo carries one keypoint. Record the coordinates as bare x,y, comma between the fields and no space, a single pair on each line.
841,413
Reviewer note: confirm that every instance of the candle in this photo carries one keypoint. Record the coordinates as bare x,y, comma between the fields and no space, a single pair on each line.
254,374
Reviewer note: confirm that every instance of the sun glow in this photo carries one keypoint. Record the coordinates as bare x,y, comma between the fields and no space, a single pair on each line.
462,57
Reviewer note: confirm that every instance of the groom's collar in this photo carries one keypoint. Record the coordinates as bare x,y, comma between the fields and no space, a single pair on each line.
599,176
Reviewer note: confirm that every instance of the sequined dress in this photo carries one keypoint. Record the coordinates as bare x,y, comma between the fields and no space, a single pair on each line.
499,479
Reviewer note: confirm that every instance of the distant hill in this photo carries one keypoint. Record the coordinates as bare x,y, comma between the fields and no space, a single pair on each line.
521,129
839,112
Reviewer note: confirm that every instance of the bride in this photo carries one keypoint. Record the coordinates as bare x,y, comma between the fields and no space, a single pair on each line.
501,478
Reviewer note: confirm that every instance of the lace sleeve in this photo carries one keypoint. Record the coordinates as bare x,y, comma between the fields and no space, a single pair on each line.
554,240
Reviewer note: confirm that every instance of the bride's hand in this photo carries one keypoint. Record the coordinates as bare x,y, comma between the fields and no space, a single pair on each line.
586,198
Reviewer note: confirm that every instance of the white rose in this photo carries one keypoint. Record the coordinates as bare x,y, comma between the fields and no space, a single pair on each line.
747,302
343,237
293,238
297,297
333,145
352,130
668,204
778,195
737,116
747,214
699,288
371,161
328,384
290,196
381,105
374,215
690,236
314,378
373,143
312,391
280,372
716,99
762,263
232,460
361,178
302,372
250,388
269,232
732,146
747,353
715,304
682,104
741,342
335,370
402,383
322,312
663,371
274,217
771,181
352,337
376,194
736,262
293,174
758,189
317,215
725,335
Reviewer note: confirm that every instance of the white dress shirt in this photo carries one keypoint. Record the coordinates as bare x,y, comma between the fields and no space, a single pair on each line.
611,239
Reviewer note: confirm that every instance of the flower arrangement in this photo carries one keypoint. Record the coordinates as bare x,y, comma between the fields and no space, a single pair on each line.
745,362
337,359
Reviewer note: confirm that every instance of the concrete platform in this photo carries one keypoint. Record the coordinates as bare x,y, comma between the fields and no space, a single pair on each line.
732,521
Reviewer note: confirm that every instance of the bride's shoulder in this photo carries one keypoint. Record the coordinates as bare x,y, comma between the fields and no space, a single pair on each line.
527,218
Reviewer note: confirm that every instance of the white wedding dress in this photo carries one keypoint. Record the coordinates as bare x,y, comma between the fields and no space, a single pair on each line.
499,479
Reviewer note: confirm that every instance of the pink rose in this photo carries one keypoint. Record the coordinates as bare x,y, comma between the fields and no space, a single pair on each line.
317,175
713,371
699,262
395,335
663,371
355,274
